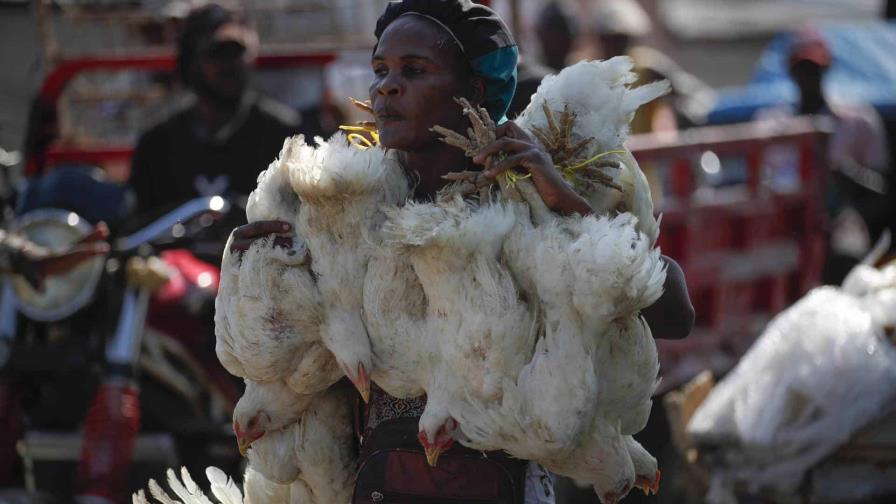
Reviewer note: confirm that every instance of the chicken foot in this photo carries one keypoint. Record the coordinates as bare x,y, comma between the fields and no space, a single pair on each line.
583,173
479,135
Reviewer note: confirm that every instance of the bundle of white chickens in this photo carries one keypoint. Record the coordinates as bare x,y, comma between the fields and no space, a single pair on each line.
521,326
821,370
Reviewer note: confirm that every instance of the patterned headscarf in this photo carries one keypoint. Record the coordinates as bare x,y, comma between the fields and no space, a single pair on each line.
483,38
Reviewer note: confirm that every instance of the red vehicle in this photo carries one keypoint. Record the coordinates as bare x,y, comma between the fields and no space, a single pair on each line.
178,372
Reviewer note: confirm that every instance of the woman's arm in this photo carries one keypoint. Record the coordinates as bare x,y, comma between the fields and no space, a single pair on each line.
672,316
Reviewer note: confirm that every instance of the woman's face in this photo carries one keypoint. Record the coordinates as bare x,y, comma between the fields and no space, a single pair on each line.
417,71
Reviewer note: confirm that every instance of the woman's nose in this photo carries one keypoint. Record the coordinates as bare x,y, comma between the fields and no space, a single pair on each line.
388,86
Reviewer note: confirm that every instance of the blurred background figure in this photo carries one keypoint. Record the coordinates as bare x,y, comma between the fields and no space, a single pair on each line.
220,140
556,32
615,28
858,201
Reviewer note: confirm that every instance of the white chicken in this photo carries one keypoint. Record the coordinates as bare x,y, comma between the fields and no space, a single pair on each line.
343,190
394,314
292,437
587,388
317,449
821,370
521,326
602,103
618,274
268,312
266,407
481,330
591,277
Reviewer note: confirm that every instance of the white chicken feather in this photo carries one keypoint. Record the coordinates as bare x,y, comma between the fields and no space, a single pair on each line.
268,311
521,326
600,96
266,407
343,190
821,370
475,318
317,449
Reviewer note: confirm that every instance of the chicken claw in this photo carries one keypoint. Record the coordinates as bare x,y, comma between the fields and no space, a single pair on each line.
362,105
584,174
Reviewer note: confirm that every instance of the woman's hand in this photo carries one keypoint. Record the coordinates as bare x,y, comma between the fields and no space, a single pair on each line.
524,154
244,236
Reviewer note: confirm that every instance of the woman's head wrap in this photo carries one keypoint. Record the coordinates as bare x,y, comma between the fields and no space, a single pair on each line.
484,39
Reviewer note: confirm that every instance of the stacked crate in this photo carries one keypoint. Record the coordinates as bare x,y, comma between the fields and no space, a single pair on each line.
749,244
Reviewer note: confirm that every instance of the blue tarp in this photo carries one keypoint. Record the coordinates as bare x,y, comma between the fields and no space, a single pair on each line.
863,68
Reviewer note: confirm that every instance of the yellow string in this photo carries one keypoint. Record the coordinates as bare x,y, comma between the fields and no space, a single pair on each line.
513,177
591,160
358,140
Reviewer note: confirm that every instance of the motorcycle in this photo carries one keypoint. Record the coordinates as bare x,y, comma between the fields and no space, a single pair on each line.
118,346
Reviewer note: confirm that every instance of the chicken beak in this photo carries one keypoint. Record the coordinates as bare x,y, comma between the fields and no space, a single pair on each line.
647,486
363,383
432,455
244,444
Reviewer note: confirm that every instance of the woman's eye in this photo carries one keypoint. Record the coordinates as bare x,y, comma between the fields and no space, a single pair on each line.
414,70
380,71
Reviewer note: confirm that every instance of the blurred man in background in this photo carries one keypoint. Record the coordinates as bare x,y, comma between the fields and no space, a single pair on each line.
617,27
858,202
227,134
556,31
858,195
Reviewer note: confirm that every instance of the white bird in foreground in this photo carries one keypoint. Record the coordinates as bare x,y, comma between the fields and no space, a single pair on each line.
521,326
266,407
588,386
602,104
268,311
343,190
480,330
821,370
310,461
317,449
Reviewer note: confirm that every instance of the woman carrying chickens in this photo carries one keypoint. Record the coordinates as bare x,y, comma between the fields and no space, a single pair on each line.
427,53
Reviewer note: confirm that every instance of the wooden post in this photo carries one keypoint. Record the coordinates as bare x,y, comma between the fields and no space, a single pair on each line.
48,43
515,18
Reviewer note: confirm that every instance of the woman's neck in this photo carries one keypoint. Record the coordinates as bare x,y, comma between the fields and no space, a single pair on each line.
430,165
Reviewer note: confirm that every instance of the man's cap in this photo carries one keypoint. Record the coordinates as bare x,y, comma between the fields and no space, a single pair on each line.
209,24
808,44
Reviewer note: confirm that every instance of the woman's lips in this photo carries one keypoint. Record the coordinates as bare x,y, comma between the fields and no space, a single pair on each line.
387,114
